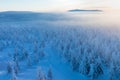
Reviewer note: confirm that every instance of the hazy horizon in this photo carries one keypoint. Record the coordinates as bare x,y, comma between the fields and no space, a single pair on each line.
57,5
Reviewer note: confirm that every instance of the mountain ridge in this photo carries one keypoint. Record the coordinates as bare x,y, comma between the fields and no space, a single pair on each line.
85,10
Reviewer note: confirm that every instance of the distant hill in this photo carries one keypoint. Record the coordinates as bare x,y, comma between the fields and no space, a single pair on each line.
83,10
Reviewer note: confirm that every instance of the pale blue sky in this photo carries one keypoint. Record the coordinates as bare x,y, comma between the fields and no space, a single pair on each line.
55,5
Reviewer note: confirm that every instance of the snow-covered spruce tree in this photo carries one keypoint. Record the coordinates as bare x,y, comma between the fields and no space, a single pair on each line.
67,53
24,55
35,52
50,75
96,68
42,44
41,49
41,53
16,62
75,64
15,55
91,73
111,71
68,57
84,67
99,69
29,62
40,74
115,67
13,77
16,67
9,67
117,70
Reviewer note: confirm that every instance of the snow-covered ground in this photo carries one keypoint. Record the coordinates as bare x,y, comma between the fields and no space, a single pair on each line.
66,46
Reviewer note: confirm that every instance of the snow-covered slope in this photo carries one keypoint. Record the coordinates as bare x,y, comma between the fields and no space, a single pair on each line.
64,46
